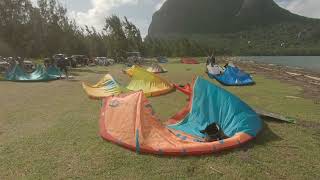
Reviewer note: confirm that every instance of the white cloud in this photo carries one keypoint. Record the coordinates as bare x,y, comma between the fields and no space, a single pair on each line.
309,8
159,5
34,2
94,12
96,15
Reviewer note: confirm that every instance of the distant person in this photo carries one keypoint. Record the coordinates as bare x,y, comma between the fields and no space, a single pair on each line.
47,62
211,60
20,62
12,63
62,65
52,62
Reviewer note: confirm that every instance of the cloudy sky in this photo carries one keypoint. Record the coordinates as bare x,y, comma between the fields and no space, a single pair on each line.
93,12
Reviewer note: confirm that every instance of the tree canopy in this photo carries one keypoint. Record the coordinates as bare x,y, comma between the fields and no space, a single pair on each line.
42,31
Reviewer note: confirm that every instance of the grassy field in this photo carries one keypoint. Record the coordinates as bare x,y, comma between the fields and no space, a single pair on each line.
50,131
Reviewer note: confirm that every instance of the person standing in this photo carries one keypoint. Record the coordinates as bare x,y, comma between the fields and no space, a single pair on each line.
12,63
47,62
62,65
21,62
211,60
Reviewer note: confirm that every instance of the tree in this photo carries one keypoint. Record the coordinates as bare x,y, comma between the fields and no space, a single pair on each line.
133,36
116,38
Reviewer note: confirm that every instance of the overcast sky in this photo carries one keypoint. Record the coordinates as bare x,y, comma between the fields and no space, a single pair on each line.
93,12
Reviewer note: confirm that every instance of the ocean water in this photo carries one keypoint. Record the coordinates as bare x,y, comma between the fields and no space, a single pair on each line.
311,63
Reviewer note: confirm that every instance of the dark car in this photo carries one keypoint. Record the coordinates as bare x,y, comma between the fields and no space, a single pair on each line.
68,60
56,57
82,60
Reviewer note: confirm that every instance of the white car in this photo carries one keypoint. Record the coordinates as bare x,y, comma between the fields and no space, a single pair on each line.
111,61
103,61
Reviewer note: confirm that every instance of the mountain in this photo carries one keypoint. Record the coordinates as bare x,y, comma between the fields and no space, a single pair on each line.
218,16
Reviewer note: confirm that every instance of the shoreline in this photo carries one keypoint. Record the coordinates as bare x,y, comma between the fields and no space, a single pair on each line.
308,80
280,66
281,61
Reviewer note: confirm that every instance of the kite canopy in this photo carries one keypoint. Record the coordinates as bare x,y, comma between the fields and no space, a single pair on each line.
233,76
129,121
18,74
54,72
187,89
107,86
150,83
189,61
156,68
211,104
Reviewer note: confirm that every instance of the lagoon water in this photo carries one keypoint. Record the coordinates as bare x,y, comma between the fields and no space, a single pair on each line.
311,63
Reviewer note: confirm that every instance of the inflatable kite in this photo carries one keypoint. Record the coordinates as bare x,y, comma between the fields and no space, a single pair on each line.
107,86
156,68
150,83
18,74
129,121
189,61
55,72
233,76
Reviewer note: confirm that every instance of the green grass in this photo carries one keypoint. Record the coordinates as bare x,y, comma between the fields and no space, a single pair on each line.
50,131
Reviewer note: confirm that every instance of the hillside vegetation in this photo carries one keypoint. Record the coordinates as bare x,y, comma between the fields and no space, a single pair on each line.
238,27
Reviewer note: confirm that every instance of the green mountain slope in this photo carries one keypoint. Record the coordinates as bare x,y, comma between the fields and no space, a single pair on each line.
218,16
231,27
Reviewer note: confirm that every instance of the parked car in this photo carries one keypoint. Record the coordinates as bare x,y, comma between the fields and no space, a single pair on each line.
56,57
111,61
81,60
134,58
68,60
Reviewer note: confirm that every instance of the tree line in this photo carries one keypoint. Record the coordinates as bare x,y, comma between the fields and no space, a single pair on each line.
29,31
